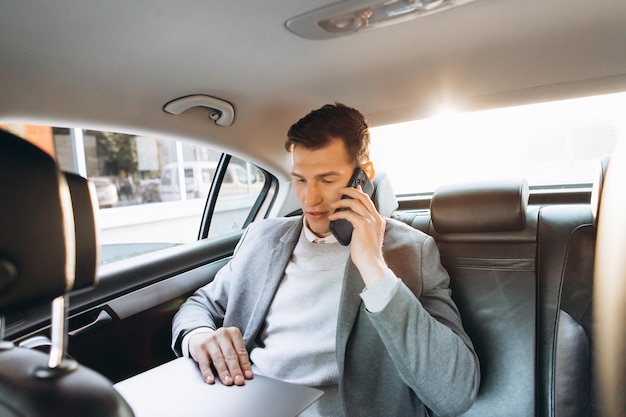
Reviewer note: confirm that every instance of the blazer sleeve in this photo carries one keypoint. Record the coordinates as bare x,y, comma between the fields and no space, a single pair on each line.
207,306
424,336
248,281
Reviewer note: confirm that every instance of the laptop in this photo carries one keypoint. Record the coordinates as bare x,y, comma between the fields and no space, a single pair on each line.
176,389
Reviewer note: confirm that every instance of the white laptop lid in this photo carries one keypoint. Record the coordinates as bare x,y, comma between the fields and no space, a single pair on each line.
177,389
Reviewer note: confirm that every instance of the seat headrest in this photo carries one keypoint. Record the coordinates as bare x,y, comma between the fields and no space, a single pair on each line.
481,207
384,197
37,252
596,191
84,203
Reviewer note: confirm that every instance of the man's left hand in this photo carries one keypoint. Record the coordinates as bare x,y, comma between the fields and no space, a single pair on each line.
366,247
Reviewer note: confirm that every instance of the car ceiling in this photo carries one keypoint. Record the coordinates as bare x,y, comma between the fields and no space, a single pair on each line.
114,64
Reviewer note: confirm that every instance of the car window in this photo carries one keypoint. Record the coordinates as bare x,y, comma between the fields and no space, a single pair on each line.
228,177
553,145
142,206
237,194
167,178
207,175
189,177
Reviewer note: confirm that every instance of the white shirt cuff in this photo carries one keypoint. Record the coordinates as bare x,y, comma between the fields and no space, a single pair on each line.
378,295
184,345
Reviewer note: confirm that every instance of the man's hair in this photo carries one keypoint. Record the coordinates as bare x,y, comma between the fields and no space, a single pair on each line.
319,127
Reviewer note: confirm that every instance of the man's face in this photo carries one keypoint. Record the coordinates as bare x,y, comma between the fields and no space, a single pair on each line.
318,177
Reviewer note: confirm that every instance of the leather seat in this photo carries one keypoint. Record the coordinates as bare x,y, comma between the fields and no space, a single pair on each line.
610,290
522,277
384,197
486,235
42,259
567,241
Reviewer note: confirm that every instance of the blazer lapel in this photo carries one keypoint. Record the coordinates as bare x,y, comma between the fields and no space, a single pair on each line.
348,311
274,265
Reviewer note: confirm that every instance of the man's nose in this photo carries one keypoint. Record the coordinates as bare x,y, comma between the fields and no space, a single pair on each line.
313,195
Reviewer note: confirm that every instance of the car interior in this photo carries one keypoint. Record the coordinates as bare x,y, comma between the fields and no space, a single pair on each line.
33,382
538,274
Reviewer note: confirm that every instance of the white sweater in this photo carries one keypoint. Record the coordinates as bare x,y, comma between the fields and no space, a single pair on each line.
300,328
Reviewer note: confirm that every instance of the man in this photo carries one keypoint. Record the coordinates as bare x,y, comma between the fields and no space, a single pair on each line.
372,324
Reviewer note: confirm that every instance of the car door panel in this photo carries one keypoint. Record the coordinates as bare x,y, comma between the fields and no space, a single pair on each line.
122,326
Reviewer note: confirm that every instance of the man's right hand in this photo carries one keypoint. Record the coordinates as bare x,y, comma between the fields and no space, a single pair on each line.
224,348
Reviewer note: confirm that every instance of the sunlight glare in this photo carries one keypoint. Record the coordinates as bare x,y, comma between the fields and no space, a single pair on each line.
549,144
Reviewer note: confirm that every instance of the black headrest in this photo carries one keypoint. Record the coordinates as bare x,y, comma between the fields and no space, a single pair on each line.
84,204
481,207
36,256
48,243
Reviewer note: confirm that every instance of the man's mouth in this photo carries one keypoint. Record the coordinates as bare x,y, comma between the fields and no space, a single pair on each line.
316,215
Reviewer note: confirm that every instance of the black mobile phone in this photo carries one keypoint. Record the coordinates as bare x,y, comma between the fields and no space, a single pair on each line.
342,229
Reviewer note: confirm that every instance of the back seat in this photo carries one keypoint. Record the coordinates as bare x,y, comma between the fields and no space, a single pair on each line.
521,276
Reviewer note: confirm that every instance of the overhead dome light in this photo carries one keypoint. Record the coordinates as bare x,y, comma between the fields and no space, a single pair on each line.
351,16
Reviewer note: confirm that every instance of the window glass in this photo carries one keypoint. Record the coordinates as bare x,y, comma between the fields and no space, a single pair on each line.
207,175
240,188
142,206
555,144
166,179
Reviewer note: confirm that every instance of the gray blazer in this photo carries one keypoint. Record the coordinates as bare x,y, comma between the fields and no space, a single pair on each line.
412,356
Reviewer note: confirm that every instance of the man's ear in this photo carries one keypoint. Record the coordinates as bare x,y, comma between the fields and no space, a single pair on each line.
368,167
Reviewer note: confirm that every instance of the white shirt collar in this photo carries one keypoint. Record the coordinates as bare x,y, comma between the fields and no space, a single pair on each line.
312,237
